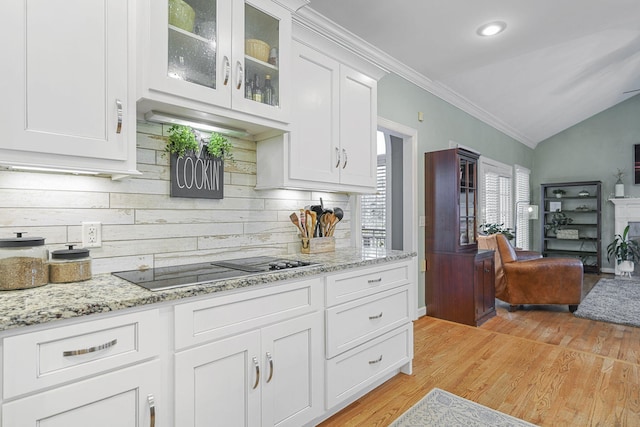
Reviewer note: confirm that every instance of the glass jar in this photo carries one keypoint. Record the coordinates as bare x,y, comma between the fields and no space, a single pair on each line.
23,262
70,265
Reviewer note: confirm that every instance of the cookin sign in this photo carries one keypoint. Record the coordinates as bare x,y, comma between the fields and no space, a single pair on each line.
197,176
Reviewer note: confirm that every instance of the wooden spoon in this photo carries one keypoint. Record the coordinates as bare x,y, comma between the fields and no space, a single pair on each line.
296,222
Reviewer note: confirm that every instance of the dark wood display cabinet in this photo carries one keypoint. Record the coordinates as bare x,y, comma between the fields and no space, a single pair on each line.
571,225
459,279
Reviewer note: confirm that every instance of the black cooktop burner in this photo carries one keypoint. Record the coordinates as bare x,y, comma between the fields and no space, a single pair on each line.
161,278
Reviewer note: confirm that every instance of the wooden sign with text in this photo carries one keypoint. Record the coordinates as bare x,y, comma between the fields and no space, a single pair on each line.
197,177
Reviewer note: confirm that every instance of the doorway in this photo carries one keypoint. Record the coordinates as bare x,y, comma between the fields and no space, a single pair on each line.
388,219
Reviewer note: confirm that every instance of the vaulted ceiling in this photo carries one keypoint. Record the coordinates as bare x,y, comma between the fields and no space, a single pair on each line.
557,63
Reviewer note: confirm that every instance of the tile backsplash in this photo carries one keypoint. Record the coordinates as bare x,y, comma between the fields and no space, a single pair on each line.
142,226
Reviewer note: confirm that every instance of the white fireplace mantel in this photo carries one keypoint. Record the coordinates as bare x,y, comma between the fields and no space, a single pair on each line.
625,210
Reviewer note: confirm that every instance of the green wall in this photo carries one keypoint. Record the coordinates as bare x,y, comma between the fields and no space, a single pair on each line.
592,150
400,101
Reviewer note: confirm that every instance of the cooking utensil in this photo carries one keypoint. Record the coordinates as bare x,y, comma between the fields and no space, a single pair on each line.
318,210
308,223
339,213
296,222
303,224
328,219
314,223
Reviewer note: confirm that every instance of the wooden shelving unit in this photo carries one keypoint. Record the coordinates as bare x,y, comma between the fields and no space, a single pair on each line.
581,203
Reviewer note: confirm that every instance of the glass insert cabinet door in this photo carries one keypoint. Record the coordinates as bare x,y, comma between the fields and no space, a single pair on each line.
226,52
468,193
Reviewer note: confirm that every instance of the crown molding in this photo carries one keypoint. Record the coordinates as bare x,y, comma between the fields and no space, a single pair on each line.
312,20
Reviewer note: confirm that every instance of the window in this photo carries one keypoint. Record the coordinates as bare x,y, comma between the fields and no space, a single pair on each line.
523,200
373,207
495,194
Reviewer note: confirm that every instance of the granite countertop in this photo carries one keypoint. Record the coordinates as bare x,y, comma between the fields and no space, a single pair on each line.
105,292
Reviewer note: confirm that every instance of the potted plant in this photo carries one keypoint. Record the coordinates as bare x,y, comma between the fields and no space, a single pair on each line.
558,220
626,252
182,139
219,146
493,228
559,192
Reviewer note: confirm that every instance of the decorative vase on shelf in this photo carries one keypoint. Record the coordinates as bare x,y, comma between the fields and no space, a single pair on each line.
619,183
626,268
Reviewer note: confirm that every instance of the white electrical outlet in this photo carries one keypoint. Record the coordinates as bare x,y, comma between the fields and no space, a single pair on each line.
421,221
91,234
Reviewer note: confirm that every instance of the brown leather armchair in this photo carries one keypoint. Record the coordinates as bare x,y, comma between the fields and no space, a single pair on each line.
525,277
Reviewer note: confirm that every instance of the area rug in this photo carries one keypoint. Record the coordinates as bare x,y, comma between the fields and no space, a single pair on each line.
441,408
613,300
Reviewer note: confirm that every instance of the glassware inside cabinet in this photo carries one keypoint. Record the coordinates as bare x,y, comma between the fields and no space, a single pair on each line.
262,35
192,41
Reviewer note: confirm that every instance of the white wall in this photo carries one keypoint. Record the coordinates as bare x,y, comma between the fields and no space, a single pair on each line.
143,226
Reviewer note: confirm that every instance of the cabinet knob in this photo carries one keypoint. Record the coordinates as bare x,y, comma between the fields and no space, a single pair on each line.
152,410
257,366
227,70
119,113
240,75
270,359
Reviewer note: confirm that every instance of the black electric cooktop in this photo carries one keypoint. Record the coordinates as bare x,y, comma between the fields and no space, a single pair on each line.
156,279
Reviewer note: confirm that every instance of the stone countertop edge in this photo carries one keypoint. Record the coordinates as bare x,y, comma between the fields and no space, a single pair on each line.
107,293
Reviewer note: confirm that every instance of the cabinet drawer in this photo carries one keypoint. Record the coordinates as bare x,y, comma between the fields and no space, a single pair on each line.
354,370
36,360
356,322
357,284
218,317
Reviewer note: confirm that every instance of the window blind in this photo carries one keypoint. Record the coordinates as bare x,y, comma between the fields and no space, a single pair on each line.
373,209
523,199
496,192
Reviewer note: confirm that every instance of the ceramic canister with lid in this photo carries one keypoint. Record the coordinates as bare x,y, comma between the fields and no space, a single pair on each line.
70,265
23,262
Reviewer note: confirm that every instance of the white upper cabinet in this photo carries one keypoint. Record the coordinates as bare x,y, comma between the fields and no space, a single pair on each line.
69,92
211,56
332,143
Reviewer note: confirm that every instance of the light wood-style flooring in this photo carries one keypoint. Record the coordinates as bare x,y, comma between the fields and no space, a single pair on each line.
541,364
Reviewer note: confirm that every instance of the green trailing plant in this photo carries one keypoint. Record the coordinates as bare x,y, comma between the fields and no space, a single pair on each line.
181,140
219,146
623,249
558,221
559,191
493,228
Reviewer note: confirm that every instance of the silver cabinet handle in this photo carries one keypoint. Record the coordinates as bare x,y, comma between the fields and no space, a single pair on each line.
227,70
337,157
375,280
119,112
375,317
152,410
378,360
240,74
257,365
270,359
90,349
346,159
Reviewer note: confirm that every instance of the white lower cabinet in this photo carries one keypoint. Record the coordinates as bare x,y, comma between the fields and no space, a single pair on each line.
122,398
265,377
272,355
369,329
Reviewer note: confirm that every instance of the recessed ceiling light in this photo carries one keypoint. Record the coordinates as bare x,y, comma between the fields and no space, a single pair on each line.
492,28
